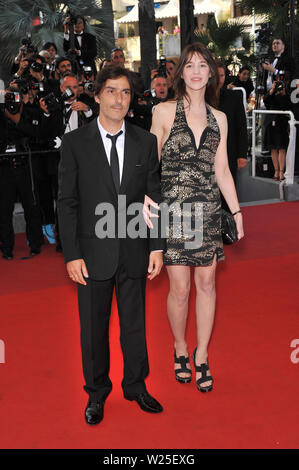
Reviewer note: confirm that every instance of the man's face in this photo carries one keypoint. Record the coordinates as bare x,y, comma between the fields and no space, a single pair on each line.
64,66
118,58
52,52
277,46
160,86
114,99
170,68
72,83
79,26
221,74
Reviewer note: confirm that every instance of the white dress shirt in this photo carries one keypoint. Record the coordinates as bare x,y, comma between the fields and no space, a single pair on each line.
120,145
270,74
79,37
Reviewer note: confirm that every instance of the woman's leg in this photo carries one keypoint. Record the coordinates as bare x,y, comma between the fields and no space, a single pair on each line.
177,308
274,154
282,161
204,277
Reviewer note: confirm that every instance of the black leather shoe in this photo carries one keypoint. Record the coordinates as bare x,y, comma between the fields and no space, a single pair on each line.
94,412
34,251
7,255
146,402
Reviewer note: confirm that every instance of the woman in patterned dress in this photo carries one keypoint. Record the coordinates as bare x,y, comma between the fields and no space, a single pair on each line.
191,137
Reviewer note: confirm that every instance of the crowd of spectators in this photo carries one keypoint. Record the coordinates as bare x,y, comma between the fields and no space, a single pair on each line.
49,95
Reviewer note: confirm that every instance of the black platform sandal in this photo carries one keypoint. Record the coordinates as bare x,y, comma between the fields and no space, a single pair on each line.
203,369
183,361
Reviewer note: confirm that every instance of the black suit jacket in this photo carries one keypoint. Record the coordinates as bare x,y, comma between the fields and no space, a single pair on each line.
286,63
231,103
85,180
88,49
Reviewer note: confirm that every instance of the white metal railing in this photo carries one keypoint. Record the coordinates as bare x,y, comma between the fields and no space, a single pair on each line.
290,156
244,95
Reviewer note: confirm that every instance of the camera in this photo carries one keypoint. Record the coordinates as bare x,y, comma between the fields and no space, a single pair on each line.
37,67
27,47
280,83
88,85
150,97
87,72
162,70
12,102
55,103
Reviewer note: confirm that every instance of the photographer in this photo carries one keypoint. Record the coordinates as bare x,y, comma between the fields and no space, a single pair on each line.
16,173
86,89
27,50
279,61
63,66
143,105
67,112
85,47
166,69
277,135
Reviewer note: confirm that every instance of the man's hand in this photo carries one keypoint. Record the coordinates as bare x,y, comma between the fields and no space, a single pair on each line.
269,67
146,210
43,106
76,270
79,106
241,163
155,264
230,86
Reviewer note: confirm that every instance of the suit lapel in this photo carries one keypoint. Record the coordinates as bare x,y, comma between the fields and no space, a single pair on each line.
130,157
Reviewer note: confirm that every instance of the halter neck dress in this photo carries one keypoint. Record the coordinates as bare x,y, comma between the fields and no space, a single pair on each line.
189,188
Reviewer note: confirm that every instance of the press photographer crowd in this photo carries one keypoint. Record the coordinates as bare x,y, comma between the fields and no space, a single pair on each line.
51,93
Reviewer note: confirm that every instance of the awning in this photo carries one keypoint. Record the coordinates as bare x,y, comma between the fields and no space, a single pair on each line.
131,17
171,10
205,7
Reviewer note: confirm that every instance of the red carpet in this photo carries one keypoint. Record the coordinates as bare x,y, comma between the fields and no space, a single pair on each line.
254,403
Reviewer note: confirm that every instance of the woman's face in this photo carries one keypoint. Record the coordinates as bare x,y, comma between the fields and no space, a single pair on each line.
196,72
244,75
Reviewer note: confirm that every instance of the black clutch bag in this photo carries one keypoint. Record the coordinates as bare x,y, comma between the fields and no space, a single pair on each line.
228,228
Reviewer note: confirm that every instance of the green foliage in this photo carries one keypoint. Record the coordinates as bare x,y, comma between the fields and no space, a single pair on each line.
16,18
222,39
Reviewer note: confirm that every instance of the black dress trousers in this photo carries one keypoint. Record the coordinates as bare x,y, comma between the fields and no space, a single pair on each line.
94,309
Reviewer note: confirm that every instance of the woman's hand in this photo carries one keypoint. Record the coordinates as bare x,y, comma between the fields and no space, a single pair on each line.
239,223
146,210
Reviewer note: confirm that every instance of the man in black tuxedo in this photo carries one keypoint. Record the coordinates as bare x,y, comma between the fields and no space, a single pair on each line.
280,60
100,162
85,43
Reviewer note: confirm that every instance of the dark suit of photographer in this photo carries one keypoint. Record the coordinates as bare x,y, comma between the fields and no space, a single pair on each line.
280,60
16,178
85,43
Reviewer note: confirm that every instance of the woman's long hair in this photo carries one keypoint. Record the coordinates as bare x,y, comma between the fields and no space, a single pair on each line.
212,84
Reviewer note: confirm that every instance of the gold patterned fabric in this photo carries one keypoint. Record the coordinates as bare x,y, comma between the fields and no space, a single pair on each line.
189,186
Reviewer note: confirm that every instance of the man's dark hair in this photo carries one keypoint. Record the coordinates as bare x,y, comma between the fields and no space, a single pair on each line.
62,59
170,61
277,36
115,49
47,46
111,72
80,17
